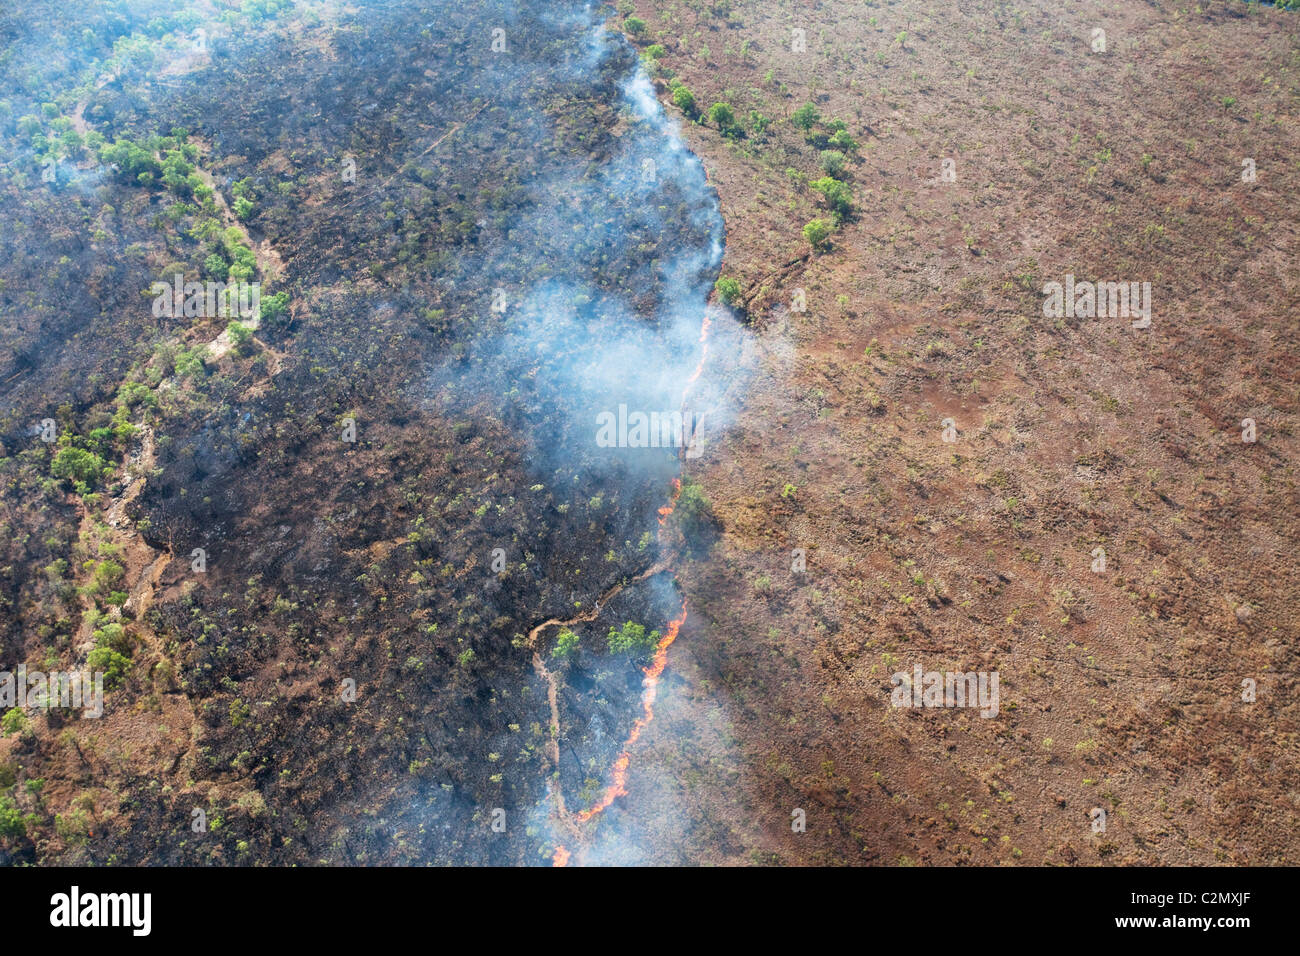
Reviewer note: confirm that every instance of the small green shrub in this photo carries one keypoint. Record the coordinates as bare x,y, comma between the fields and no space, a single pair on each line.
817,232
15,721
684,100
12,826
806,117
728,289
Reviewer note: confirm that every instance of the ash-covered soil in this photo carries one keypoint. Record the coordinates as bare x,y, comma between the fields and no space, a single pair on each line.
316,549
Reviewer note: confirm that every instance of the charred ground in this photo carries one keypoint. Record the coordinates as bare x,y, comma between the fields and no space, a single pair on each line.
325,560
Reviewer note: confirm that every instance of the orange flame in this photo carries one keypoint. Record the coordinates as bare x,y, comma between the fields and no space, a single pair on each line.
704,354
667,509
618,773
618,785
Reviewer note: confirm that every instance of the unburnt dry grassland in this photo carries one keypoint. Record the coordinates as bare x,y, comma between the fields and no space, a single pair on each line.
1121,689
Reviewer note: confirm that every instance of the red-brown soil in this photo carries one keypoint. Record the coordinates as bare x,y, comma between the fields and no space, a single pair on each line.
1120,690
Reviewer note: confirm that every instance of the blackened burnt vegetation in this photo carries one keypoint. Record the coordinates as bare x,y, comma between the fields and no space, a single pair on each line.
391,481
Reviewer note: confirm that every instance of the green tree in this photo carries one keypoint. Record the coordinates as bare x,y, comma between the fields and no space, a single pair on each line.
566,643
133,394
817,232
216,267
722,115
684,100
12,826
177,173
632,637
843,141
110,663
806,117
79,465
14,722
832,161
134,163
113,635
274,306
693,511
241,337
107,576
838,196
634,26
189,362
728,289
